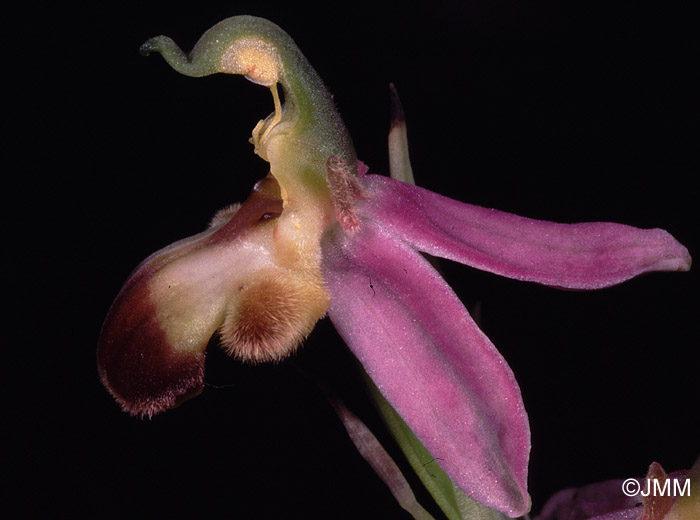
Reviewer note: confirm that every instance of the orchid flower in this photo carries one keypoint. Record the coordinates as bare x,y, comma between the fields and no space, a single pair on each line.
321,236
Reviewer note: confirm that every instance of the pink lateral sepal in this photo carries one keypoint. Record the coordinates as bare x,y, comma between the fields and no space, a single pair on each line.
444,377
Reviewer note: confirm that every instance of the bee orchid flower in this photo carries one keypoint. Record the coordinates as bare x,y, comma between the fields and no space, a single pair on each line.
321,236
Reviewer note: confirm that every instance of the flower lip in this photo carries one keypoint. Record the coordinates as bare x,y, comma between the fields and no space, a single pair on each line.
140,362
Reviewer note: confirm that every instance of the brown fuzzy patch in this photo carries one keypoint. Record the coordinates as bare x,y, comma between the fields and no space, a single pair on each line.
272,318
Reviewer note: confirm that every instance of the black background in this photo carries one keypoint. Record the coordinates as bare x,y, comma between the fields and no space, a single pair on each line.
576,113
